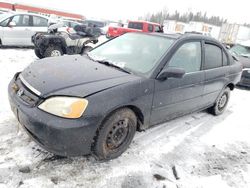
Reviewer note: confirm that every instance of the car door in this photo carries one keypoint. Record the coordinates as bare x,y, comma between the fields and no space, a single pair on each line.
216,71
177,96
18,35
4,23
38,24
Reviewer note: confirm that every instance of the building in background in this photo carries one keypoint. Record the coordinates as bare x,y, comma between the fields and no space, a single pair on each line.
234,33
6,6
173,26
204,28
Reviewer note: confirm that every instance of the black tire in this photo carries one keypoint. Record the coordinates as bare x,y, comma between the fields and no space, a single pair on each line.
221,102
115,134
53,51
38,53
86,49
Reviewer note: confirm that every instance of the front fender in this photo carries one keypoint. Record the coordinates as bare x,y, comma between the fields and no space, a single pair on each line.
138,94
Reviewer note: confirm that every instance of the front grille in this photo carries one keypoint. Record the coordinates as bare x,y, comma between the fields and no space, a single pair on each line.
25,94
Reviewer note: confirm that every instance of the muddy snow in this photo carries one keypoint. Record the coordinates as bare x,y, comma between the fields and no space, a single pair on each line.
198,150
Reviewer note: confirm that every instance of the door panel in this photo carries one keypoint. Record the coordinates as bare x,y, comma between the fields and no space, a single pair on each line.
215,72
39,24
215,80
177,96
19,35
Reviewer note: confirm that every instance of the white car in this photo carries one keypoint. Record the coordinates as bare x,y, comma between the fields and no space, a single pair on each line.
17,29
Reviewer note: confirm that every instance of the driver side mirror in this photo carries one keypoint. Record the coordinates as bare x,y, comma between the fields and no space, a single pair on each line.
12,24
171,72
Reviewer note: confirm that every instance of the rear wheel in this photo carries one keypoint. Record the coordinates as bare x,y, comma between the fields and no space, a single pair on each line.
53,51
115,134
221,102
38,53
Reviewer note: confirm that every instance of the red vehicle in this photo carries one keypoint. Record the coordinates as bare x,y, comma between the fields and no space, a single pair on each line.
135,26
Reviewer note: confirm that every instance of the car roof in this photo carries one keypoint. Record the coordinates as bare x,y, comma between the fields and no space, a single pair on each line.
142,21
186,36
26,13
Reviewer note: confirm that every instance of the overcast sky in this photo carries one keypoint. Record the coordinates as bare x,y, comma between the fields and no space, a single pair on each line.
235,11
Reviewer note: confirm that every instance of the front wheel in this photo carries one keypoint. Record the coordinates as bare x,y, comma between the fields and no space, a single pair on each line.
115,134
221,102
53,51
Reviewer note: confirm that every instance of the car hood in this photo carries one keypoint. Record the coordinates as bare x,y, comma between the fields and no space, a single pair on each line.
71,75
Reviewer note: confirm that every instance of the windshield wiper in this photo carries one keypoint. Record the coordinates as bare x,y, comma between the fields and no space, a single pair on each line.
105,62
108,63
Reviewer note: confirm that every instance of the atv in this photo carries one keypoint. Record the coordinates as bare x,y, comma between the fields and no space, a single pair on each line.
57,42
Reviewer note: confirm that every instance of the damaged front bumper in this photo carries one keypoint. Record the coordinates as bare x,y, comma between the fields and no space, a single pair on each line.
61,136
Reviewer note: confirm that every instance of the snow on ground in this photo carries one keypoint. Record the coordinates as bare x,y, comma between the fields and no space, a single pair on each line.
198,150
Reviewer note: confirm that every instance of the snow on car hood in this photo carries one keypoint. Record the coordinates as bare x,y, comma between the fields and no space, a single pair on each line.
71,75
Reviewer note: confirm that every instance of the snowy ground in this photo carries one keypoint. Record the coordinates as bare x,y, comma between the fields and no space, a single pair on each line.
200,149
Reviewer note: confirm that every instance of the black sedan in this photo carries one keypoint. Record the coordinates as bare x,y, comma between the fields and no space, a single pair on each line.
94,104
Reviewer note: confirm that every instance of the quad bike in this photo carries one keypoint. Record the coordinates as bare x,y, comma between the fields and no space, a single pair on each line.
58,43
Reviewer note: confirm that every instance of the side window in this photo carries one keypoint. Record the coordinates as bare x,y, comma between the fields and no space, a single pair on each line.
5,22
21,20
188,57
39,21
135,25
150,28
157,28
213,56
225,60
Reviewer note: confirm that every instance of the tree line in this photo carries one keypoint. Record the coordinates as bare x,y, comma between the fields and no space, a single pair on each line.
186,17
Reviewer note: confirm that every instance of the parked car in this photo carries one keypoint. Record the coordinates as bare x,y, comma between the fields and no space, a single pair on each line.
70,24
242,51
96,23
104,30
134,26
94,104
17,29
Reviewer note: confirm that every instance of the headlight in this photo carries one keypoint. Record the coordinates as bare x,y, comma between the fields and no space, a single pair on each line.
67,107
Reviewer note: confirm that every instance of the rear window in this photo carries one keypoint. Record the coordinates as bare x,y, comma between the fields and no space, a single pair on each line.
150,28
39,21
157,28
135,25
213,56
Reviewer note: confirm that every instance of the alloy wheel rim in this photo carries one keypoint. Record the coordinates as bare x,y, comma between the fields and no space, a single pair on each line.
222,101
